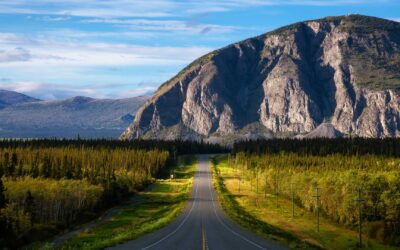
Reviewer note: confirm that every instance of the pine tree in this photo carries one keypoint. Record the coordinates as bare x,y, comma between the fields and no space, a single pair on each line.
46,168
13,164
29,206
2,194
1,169
20,169
6,163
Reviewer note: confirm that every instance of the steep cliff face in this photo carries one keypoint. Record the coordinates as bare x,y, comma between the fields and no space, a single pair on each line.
342,71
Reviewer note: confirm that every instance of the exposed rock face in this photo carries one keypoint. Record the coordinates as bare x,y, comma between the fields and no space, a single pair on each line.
325,130
344,71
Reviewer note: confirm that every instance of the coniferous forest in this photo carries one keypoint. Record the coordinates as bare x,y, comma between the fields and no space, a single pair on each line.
354,179
47,186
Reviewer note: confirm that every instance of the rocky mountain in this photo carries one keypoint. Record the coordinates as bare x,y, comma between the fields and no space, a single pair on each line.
83,116
8,98
342,72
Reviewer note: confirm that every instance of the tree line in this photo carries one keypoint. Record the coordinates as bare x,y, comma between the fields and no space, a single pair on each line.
177,146
322,146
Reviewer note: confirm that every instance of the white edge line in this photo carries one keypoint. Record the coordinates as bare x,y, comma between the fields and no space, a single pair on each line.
219,219
180,225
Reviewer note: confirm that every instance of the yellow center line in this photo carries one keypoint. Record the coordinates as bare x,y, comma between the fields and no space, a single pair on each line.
204,238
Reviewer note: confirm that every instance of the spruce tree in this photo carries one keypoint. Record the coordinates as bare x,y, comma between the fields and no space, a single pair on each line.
13,164
2,194
6,162
29,205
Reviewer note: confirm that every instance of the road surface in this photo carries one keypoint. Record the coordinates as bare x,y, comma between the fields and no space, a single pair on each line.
202,225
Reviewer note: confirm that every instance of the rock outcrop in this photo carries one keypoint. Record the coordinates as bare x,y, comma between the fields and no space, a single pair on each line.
342,71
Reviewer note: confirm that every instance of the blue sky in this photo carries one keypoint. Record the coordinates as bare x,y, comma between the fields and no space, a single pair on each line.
55,49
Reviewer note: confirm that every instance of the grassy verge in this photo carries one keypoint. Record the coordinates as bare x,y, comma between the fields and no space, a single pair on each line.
156,208
273,219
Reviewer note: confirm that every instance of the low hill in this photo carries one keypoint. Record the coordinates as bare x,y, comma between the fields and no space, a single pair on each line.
83,116
8,98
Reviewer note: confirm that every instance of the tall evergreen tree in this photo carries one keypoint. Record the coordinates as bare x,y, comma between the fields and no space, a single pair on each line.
29,206
20,169
6,163
2,194
13,164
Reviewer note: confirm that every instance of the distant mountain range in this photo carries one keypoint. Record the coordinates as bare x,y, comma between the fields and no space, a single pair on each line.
8,98
22,116
336,76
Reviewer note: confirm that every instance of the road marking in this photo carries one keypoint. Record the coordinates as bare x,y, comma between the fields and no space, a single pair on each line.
204,238
181,224
219,219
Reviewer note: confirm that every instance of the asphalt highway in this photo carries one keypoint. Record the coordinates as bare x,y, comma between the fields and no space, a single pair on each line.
202,225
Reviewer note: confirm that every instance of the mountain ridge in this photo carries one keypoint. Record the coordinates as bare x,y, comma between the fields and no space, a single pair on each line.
8,98
288,81
79,115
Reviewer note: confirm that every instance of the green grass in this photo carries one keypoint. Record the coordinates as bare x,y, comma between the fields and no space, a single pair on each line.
156,208
274,220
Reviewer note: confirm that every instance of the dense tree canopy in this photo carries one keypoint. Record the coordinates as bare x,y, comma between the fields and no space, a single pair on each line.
342,169
322,146
49,185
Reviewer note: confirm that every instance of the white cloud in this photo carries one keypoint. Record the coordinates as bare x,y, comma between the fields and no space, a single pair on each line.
165,25
134,92
53,53
144,8
46,91
23,55
89,8
78,34
87,68
55,18
15,55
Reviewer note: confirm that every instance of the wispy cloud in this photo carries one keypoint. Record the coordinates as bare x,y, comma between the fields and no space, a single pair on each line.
15,55
52,53
55,18
155,8
23,55
52,69
48,91
89,8
165,25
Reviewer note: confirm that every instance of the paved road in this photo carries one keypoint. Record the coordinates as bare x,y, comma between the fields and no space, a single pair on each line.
203,224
